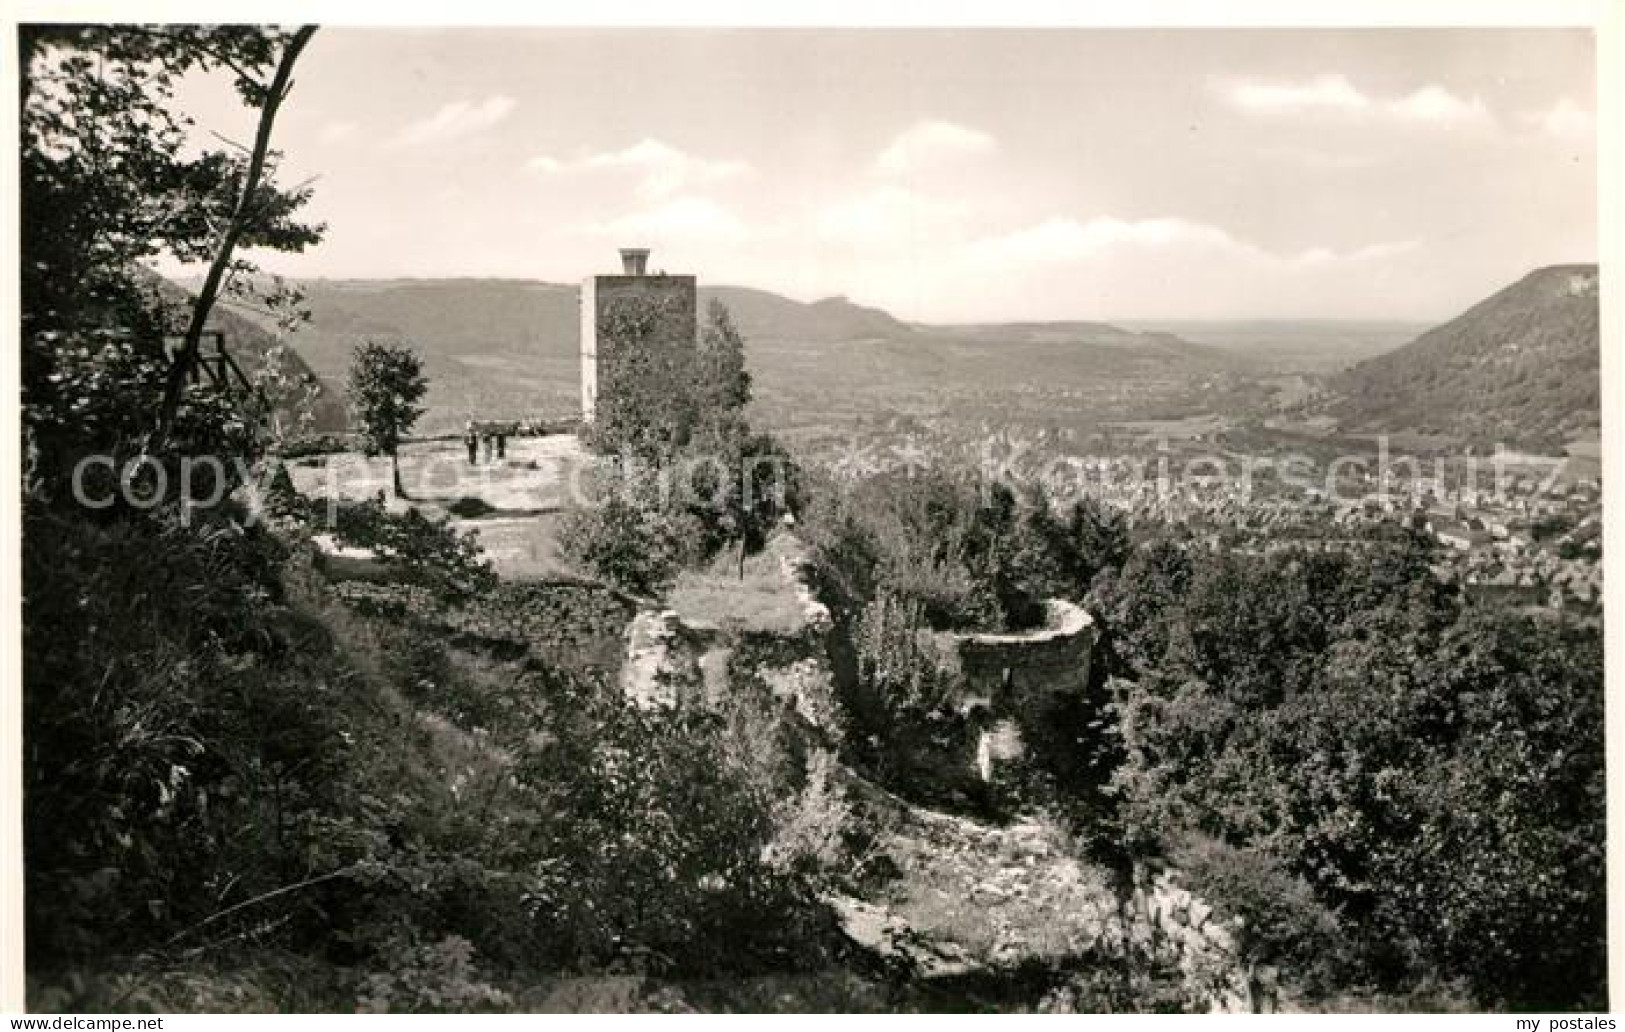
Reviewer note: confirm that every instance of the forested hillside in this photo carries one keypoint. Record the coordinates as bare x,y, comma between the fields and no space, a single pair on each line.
1519,368
256,344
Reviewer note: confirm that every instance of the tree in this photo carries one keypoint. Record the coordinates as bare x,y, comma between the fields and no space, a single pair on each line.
744,484
287,393
251,203
722,383
111,177
1100,535
1433,771
386,384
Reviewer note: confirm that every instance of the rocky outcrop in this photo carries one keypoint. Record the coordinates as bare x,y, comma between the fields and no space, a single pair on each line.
973,897
672,661
1172,920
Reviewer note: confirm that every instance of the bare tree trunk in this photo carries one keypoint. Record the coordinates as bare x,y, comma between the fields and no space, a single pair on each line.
203,304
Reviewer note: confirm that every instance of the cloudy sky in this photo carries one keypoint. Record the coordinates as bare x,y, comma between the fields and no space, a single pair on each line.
956,175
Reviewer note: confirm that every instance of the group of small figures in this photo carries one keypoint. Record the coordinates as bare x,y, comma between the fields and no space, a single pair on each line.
493,440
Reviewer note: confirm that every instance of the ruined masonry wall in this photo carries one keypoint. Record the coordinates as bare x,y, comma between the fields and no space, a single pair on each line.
999,669
1012,677
670,662
1182,926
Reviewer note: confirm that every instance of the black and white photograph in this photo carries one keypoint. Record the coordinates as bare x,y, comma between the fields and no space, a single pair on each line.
709,516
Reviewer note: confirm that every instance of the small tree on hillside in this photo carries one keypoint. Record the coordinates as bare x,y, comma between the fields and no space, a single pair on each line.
386,384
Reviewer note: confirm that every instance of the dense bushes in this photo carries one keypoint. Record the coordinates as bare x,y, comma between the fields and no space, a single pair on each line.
637,547
973,557
681,475
727,488
904,704
229,759
157,656
1276,917
1432,770
653,851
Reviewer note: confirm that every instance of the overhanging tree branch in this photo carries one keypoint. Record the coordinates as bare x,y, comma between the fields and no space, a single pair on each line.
241,216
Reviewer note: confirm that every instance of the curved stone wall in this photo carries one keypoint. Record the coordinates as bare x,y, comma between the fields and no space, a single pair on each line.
999,669
1007,677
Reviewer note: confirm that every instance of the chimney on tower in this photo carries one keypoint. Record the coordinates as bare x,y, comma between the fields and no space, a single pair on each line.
634,261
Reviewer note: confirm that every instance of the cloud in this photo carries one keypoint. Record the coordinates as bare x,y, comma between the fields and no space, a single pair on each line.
456,120
662,170
681,219
1437,105
931,142
1066,239
1319,158
888,214
1322,93
1335,94
1388,249
1566,120
1111,267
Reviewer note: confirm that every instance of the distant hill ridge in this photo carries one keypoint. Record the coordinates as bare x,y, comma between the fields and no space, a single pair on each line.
511,346
453,313
453,310
1520,367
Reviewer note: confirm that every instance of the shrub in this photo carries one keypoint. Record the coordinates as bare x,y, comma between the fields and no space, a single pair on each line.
630,546
905,727
429,978
813,828
157,654
430,552
469,507
974,561
308,445
651,852
1281,921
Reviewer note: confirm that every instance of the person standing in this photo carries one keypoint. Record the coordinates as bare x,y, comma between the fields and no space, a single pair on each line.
472,441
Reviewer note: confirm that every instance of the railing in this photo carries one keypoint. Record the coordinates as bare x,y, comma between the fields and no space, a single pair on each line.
217,366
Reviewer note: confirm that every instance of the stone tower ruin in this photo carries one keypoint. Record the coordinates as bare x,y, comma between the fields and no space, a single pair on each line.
666,311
